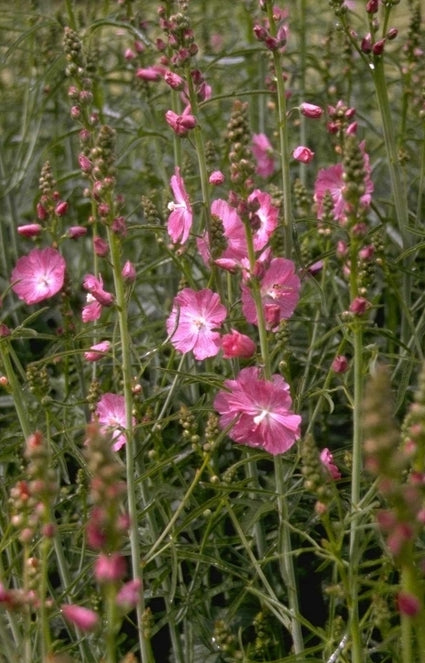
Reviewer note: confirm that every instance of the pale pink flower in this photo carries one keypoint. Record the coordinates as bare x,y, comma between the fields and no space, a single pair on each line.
97,351
258,411
183,123
216,177
263,153
235,344
264,219
193,322
303,154
109,568
150,74
234,233
128,272
129,595
279,289
327,460
92,310
180,220
82,618
39,275
29,230
110,413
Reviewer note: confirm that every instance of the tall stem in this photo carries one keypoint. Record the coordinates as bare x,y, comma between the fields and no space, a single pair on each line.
122,311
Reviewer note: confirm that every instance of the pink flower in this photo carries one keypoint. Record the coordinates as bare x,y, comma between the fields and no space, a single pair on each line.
328,462
29,230
234,233
39,275
92,310
180,219
74,232
82,618
235,344
359,305
150,74
101,246
311,110
128,272
193,321
263,154
216,177
97,351
340,364
129,595
258,411
279,289
109,568
110,412
408,604
264,219
95,287
181,124
303,154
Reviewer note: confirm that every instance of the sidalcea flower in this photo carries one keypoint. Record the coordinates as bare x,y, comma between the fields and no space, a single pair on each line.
263,154
234,233
216,178
82,618
235,344
180,220
181,124
110,413
129,595
193,322
92,309
311,110
94,286
327,460
303,154
258,411
279,289
110,568
264,219
97,351
74,232
39,275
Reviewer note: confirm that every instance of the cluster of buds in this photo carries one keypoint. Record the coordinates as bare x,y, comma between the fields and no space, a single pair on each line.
341,121
80,92
397,462
369,44
273,34
31,498
242,166
180,36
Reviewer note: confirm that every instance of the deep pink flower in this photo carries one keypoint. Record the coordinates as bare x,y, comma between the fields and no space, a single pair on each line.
82,618
235,344
311,110
183,123
216,177
39,275
279,288
97,351
194,320
303,154
265,218
110,412
258,411
263,154
340,364
234,233
180,219
408,604
74,232
328,462
92,310
29,230
101,246
359,305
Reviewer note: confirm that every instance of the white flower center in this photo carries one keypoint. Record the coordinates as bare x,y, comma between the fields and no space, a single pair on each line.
259,418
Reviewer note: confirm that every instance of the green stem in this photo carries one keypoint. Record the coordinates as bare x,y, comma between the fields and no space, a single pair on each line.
130,448
286,557
17,393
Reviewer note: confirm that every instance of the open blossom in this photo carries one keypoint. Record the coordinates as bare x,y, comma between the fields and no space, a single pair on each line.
265,218
180,219
95,287
194,320
258,411
110,413
92,309
39,275
279,289
263,154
